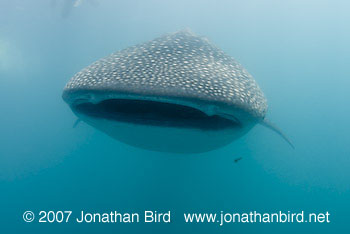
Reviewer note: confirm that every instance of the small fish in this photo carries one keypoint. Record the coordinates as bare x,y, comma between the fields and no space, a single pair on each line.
238,159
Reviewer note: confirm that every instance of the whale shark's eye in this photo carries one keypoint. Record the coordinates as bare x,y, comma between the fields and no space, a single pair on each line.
154,113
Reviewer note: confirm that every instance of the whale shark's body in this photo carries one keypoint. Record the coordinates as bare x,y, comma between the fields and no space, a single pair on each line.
177,93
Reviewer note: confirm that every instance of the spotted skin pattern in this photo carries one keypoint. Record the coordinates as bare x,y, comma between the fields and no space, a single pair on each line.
180,65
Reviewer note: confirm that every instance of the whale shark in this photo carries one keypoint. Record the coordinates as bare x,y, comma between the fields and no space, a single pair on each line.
177,93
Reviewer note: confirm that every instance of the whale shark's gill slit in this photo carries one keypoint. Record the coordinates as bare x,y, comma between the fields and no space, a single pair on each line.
154,113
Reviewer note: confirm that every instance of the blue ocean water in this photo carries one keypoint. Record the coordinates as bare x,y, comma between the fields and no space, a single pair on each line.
299,53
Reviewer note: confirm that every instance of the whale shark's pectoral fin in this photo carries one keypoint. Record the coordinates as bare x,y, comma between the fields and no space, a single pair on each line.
76,123
274,128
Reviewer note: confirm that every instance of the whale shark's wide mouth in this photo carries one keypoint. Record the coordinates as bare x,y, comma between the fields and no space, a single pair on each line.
154,113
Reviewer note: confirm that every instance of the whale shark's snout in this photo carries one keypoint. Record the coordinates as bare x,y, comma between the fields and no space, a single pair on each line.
176,93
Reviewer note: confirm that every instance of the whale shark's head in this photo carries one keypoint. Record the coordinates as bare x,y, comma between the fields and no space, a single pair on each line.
176,93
